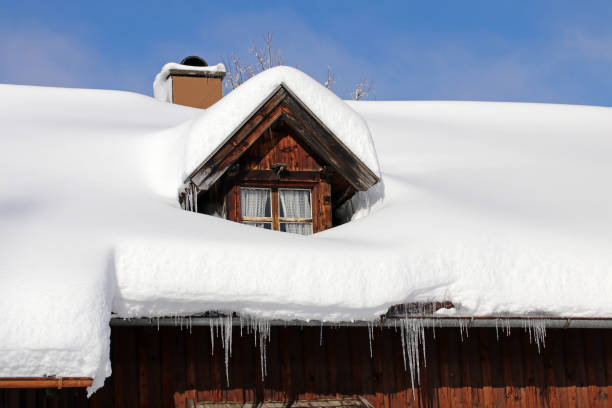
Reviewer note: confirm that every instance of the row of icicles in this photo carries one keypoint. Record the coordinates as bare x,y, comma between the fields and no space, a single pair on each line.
412,332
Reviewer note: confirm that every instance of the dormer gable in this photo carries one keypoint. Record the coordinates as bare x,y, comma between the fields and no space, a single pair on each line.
287,152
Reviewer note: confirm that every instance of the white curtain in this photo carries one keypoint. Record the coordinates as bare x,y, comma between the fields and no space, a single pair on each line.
302,228
255,202
294,203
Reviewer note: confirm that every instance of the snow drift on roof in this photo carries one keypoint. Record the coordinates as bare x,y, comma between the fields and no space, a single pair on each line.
497,207
209,131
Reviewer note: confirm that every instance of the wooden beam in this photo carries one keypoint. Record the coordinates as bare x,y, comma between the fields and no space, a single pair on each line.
45,382
287,175
314,135
212,168
283,104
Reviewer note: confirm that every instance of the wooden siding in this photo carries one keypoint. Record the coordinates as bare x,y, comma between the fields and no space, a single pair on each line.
277,145
154,368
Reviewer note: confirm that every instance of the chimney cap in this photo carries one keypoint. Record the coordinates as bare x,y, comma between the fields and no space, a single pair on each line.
194,61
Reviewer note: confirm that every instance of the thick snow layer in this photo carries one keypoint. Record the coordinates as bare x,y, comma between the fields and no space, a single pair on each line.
210,130
162,85
499,208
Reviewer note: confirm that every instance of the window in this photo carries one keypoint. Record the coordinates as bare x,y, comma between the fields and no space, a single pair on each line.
281,209
255,207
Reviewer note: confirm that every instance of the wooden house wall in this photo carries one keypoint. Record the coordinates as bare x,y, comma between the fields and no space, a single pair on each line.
154,368
276,145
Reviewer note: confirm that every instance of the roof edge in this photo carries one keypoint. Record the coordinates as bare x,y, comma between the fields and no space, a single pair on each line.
425,321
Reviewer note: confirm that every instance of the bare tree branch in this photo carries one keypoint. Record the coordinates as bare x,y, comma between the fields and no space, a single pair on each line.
268,56
331,78
362,90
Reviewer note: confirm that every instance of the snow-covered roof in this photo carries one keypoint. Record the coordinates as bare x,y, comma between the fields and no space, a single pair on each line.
496,207
210,130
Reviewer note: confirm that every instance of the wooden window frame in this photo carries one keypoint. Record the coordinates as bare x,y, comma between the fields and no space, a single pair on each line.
274,187
276,220
268,220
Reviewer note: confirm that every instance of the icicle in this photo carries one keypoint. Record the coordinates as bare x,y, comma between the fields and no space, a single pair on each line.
413,333
370,336
464,325
321,336
537,331
226,336
212,336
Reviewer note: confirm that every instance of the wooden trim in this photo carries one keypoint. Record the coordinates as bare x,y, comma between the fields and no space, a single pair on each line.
195,73
275,209
286,176
45,382
245,135
325,144
283,104
294,220
257,219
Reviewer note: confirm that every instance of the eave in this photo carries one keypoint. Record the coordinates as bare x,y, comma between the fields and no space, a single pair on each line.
425,321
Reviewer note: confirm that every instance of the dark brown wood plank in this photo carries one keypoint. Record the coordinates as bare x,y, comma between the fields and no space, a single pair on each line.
125,367
379,398
433,368
343,360
570,368
566,397
517,361
296,347
443,340
249,353
172,362
467,362
530,359
201,339
29,398
595,368
402,390
217,368
487,374
607,349
310,343
236,368
285,365
455,388
497,366
355,359
551,396
575,365
190,360
149,349
262,376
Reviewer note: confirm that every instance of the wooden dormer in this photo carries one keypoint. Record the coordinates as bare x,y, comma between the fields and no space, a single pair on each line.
282,169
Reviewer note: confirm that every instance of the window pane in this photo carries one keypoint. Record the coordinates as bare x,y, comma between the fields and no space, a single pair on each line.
266,225
302,228
255,202
294,203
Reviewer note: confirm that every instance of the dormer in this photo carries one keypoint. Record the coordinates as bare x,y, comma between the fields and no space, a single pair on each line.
281,169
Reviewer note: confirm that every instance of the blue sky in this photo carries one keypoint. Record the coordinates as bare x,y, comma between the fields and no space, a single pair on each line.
547,51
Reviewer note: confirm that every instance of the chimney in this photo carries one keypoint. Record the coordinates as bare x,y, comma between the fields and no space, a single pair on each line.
190,83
